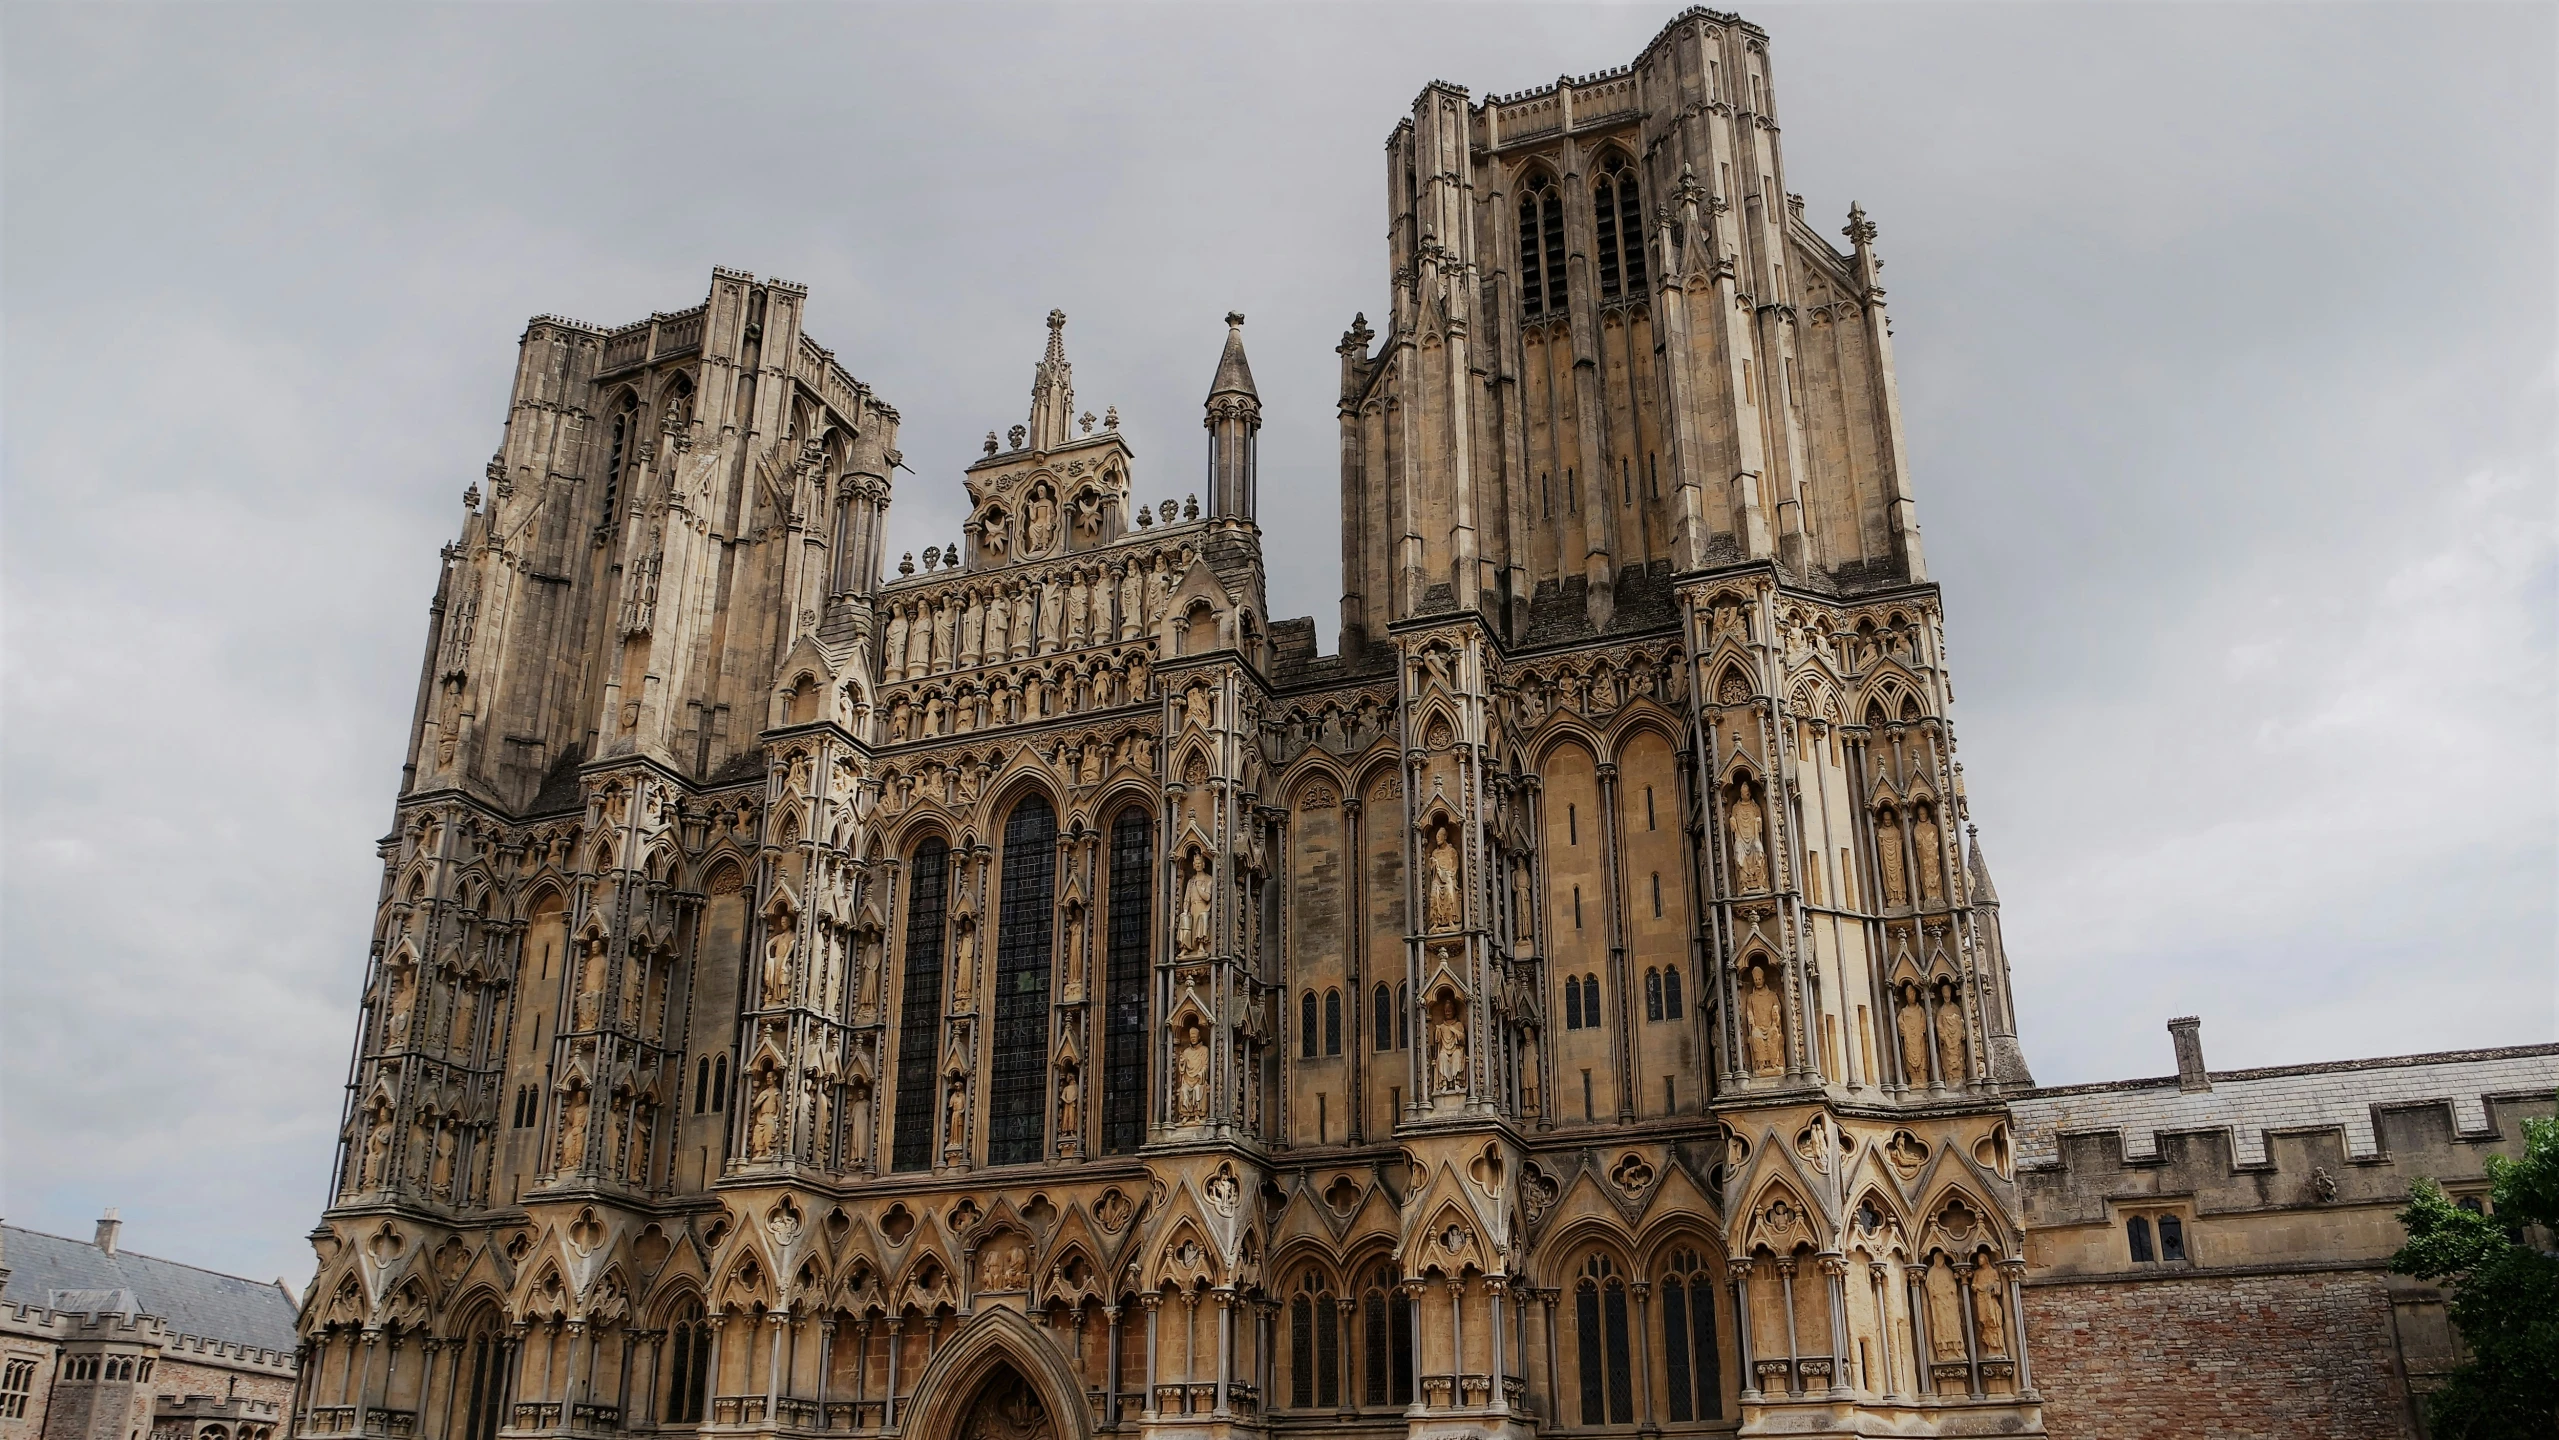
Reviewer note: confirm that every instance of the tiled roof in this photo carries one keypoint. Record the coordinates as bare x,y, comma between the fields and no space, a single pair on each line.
2249,1103
49,1270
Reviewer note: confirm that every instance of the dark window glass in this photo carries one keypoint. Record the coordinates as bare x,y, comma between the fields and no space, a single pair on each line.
1332,1022
1017,1115
1572,1003
1586,1330
1306,1025
1675,1345
1301,1352
702,1085
1550,209
1670,993
1630,224
2137,1232
1403,1016
1400,1339
2172,1238
1621,1383
1328,1351
1124,1053
1532,272
1376,1361
487,1408
1384,1023
919,1030
1709,1365
1652,994
719,1084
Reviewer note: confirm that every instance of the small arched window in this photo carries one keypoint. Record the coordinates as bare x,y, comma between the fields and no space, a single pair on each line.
688,1365
1332,1022
1382,1024
484,1362
2172,1238
1617,214
1306,1026
1541,248
1652,994
1688,1338
1386,1320
2137,1235
1671,1004
702,1085
1607,1365
1314,1346
1590,1001
720,1084
624,439
1572,1003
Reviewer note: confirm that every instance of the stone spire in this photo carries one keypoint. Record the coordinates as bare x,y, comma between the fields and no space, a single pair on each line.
1234,422
1053,390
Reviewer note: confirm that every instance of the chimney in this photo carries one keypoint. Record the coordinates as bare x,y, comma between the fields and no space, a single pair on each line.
108,1225
2187,1031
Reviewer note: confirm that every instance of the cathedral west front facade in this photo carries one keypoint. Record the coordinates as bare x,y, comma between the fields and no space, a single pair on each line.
1034,992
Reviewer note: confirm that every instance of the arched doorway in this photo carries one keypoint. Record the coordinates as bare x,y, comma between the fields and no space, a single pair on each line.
1007,1408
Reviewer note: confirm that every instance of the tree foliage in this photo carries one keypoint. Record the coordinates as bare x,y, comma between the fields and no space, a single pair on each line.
2503,1285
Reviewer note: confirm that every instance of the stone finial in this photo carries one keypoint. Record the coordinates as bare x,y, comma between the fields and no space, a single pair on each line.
1191,508
1085,420
1145,517
471,498
2187,1032
932,558
906,564
1017,435
951,556
1111,418
1861,231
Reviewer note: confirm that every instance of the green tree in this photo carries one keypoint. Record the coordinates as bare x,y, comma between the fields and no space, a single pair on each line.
2504,1293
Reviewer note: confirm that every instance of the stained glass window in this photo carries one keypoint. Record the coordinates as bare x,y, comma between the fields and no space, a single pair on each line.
1017,1112
1124,1042
919,1029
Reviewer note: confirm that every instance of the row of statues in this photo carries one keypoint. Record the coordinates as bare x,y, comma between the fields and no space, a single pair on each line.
1009,699
985,625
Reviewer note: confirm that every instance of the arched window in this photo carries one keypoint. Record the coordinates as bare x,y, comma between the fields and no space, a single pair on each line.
1306,1026
719,1085
625,439
702,1085
919,1029
1387,1319
688,1361
1652,994
1617,215
1018,1115
2137,1234
1403,1016
1541,248
2172,1238
1688,1338
1672,1006
1314,1345
1599,1322
484,1361
1572,1003
1124,1043
1332,1022
1383,1024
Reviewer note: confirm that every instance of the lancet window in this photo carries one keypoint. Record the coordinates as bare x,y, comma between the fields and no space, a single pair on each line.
1617,212
1607,1365
688,1362
1386,1323
1314,1345
1541,248
1018,1113
484,1361
625,438
919,1030
1696,1372
1124,1043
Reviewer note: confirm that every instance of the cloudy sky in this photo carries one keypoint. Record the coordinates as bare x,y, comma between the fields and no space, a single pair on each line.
2226,339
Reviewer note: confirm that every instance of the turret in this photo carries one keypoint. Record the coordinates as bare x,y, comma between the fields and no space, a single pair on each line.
1234,420
1053,391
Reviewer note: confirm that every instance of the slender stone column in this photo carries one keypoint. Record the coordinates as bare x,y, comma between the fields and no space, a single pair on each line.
1494,1288
1922,1353
1972,1332
1225,1295
1835,1291
719,1323
1642,1291
778,1321
1891,1388
1794,1346
1111,1369
1740,1270
1154,1304
1456,1341
888,1414
1343,1399
426,1386
1413,1307
2014,1272
825,1362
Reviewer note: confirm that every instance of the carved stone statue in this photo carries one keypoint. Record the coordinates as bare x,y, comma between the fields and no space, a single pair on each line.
1950,1035
895,648
955,1117
573,1130
1079,608
919,643
1195,708
1070,1101
945,619
777,968
1448,1048
1190,1076
440,1179
1021,645
1132,601
764,1116
1039,523
1763,1025
1750,848
1052,615
1070,957
1888,849
1003,1269
377,1151
1443,907
1945,1314
999,625
1929,846
964,964
1989,1313
1912,1023
1199,899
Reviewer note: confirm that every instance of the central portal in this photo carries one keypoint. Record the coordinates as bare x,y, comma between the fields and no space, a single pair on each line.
1007,1408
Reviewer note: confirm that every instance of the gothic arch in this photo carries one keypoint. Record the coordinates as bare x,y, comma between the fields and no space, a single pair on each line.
979,1353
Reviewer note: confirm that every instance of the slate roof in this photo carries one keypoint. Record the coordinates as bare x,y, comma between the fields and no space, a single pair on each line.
69,1274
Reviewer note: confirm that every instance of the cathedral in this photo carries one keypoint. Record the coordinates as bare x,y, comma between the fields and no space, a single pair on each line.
1035,993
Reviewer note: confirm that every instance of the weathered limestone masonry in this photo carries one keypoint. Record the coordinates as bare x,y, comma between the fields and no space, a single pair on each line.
2207,1251
1036,994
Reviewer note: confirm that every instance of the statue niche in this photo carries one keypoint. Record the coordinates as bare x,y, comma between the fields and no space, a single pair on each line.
1750,843
1007,1409
1443,904
1763,1023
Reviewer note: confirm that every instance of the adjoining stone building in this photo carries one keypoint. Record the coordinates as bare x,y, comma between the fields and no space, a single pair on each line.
99,1343
1035,993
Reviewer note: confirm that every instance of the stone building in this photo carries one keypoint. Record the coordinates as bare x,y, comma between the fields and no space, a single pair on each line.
98,1343
1036,993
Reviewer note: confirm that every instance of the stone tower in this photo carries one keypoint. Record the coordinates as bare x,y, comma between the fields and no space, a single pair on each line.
1033,993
